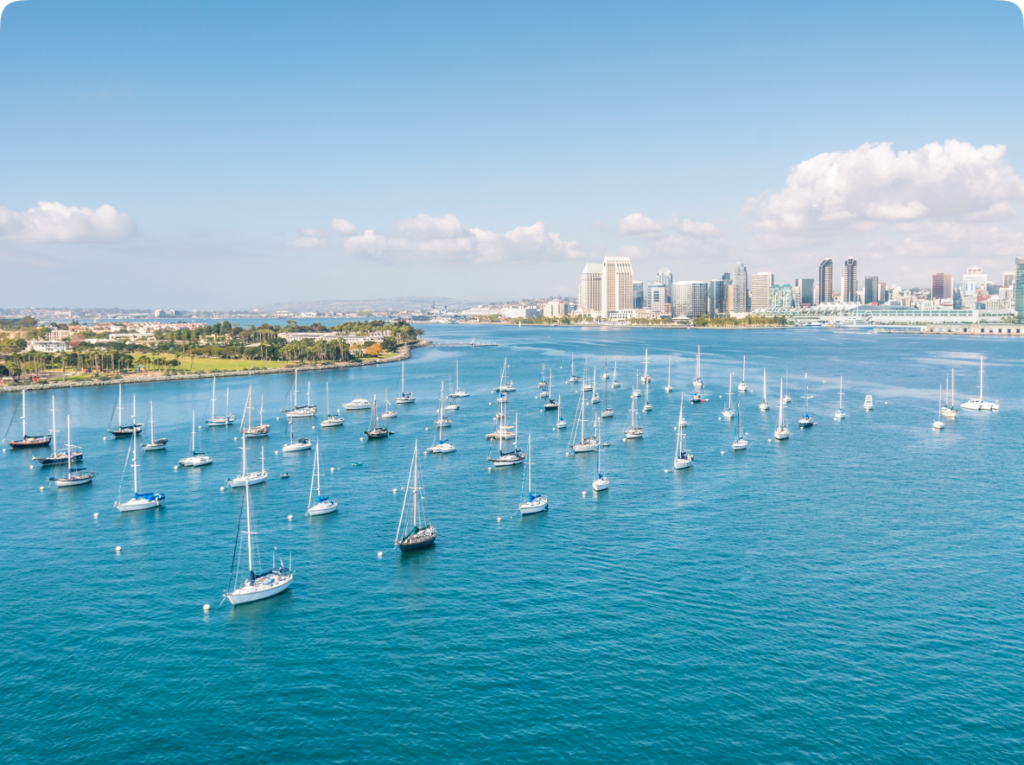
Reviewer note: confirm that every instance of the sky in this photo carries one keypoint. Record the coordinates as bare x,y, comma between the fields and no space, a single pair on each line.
222,155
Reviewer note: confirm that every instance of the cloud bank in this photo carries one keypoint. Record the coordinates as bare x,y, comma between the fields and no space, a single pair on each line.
54,222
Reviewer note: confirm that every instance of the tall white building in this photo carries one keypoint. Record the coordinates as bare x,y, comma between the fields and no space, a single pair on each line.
590,298
760,290
690,299
657,298
740,289
617,285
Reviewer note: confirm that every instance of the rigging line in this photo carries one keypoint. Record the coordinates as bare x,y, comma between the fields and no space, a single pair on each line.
14,414
234,555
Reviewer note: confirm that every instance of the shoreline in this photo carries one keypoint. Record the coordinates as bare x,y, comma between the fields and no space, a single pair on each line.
404,353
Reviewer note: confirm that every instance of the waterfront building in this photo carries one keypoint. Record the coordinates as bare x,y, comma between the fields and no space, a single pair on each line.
656,298
689,299
974,282
803,292
850,281
1018,286
554,309
617,285
588,302
942,286
741,289
718,297
664,277
780,297
519,312
760,290
825,281
638,294
870,290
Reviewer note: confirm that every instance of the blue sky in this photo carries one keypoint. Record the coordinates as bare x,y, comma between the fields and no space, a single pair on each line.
228,136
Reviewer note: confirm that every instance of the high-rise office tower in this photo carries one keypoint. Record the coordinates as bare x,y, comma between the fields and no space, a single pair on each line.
825,281
718,297
870,290
690,299
617,285
804,293
741,289
942,286
850,281
760,290
638,294
657,298
1018,286
589,299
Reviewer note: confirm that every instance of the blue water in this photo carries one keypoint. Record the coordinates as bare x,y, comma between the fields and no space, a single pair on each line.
851,595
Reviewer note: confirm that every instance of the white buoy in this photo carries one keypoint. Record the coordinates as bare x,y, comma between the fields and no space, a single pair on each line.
623,440
666,470
198,428
360,438
723,452
488,470
584,494
289,517
175,467
275,451
222,488
42,488
394,491
332,470
206,608
117,550
499,519
31,467
236,438
95,515
278,418
104,438
380,554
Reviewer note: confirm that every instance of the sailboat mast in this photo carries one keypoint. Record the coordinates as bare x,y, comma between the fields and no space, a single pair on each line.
135,463
248,531
69,445
981,381
213,400
119,406
193,431
415,480
152,430
24,432
53,411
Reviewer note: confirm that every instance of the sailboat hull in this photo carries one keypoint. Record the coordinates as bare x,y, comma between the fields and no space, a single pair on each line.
77,480
332,422
198,460
248,480
30,442
538,505
323,508
142,502
249,593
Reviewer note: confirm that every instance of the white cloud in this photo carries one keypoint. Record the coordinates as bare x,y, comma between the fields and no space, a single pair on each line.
54,222
692,228
428,227
343,226
366,243
873,186
638,224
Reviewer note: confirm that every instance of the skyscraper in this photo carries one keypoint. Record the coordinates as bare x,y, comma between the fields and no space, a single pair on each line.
870,290
617,285
638,294
760,290
690,299
942,286
825,281
804,294
741,289
883,294
850,281
588,302
718,297
1018,289
657,298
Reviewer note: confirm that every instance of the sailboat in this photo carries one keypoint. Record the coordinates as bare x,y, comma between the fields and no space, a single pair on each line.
646,378
587,386
26,441
806,421
458,392
743,387
76,476
155,444
249,477
406,397
938,424
545,386
573,377
840,412
196,459
507,459
979,404
739,443
300,412
764,406
376,430
601,482
869,403
333,419
668,386
255,431
648,406
123,431
607,411
782,428
57,458
388,413
634,428
530,503
441,444
504,431
442,420
787,399
324,505
410,534
949,408
142,501
682,458
214,420
595,398
727,413
451,406
551,403
255,586
605,375
698,382
586,443
542,383
505,384
615,375
561,420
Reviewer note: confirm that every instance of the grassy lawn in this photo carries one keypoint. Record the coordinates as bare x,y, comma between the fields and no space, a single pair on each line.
204,364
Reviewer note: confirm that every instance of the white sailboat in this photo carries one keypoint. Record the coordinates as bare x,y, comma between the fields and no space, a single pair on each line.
451,406
727,412
57,458
949,409
787,399
869,403
938,424
743,387
123,431
195,459
508,459
505,384
442,420
601,482
388,413
594,398
840,412
530,503
668,386
254,431
782,428
634,428
739,443
76,476
215,421
561,420
764,406
646,378
615,375
587,385
441,444
698,382
333,419
648,406
139,501
979,404
255,586
324,504
155,444
607,411
682,458
406,397
586,443
410,534
458,392
295,445
504,430
300,412
806,421
573,377
249,477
